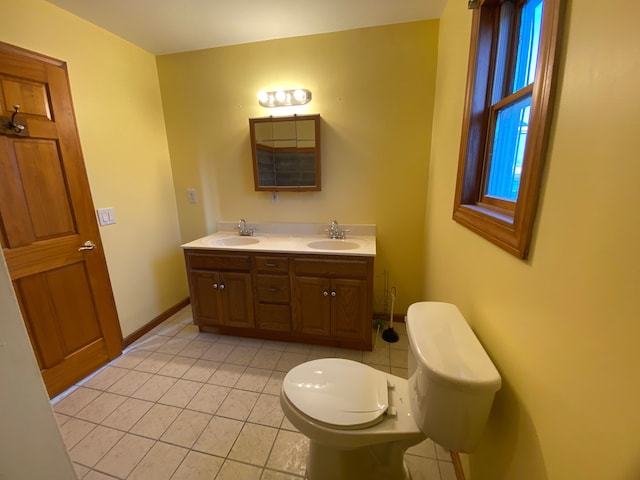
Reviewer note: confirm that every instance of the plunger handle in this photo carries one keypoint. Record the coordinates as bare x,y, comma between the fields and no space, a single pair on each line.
393,301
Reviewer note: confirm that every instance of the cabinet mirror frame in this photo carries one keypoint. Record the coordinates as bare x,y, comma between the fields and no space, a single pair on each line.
289,161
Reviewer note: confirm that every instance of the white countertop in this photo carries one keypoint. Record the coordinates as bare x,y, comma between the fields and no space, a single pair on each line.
290,238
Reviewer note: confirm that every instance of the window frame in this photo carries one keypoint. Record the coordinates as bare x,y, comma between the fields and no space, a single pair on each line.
507,224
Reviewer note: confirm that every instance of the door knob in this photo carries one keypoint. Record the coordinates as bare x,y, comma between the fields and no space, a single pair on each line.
88,245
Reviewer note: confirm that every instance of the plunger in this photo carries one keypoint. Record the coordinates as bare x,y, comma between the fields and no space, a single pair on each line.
390,335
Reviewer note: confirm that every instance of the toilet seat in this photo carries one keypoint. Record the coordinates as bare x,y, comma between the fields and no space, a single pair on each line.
341,393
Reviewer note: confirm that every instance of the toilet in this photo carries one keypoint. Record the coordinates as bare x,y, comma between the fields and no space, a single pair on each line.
360,421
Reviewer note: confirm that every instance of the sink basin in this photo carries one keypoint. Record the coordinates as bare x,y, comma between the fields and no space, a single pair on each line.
234,241
333,245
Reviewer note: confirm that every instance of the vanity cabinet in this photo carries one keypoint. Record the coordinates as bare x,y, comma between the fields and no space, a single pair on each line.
322,299
220,289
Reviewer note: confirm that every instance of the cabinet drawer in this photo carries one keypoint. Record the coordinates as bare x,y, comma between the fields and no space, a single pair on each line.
218,262
273,288
331,268
275,317
272,264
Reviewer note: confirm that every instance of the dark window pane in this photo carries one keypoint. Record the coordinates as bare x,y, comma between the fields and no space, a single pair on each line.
501,76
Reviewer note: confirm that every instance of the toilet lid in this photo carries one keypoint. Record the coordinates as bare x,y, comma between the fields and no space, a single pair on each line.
336,391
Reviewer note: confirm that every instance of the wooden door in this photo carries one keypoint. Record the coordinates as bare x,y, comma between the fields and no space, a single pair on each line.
237,299
349,308
46,216
312,305
205,297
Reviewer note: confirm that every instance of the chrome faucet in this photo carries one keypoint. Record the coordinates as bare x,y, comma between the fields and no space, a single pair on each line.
335,232
243,230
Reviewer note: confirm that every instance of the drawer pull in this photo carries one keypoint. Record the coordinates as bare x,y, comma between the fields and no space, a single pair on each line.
273,289
271,265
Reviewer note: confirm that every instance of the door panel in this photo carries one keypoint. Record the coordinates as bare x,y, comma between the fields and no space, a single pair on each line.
46,215
43,190
237,299
205,300
32,96
348,308
312,305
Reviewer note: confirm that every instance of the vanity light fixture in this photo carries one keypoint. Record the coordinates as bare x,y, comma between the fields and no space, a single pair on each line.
284,98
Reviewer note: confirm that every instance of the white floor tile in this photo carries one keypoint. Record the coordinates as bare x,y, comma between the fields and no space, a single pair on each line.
124,455
185,430
209,398
218,436
101,407
234,471
159,463
198,466
253,445
154,423
289,452
92,447
127,414
185,405
238,404
180,393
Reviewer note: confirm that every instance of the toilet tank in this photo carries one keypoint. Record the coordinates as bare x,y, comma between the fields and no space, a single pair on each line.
452,380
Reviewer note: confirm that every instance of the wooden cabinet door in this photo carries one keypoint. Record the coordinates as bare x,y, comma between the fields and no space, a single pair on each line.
48,227
237,299
349,308
312,306
205,297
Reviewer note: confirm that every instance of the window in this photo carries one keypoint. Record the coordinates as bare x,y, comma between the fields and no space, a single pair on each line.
507,118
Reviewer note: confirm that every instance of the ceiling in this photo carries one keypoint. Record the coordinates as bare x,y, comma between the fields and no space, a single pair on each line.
170,26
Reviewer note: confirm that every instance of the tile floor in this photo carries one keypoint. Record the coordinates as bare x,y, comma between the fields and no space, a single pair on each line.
179,404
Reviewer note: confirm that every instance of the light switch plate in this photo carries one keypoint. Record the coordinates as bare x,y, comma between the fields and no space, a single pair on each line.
106,216
192,195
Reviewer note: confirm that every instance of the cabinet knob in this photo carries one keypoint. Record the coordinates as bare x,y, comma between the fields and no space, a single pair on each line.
215,285
333,294
222,286
325,293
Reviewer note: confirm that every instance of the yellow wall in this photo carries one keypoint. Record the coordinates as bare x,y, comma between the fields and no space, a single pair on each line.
563,327
119,114
374,91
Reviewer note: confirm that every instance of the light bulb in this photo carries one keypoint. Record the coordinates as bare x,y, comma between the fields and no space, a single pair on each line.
300,95
280,96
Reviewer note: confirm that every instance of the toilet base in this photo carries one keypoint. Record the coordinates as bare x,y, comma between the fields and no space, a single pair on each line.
376,462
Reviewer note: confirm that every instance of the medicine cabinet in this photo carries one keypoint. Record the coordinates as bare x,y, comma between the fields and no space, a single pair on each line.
286,153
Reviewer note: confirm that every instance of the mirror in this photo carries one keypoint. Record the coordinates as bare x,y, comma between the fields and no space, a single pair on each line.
286,153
